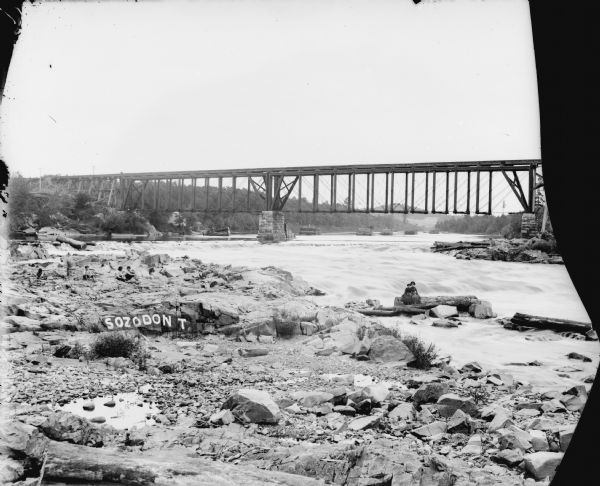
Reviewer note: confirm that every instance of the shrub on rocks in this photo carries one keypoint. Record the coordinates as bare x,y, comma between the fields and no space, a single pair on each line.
425,354
115,345
287,329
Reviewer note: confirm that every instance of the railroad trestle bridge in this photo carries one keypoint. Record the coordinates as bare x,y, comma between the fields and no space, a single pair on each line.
474,187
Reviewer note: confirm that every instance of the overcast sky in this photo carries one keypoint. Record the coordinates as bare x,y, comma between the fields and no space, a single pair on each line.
107,87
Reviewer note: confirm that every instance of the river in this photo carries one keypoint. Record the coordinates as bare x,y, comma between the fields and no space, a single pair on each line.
350,267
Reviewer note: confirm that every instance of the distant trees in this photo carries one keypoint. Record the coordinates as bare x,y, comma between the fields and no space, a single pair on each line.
508,225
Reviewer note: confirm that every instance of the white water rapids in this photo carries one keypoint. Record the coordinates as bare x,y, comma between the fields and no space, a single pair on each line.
349,267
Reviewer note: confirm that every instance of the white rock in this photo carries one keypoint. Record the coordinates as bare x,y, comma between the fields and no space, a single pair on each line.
443,311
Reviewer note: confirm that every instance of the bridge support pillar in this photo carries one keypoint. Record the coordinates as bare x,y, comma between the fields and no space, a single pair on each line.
271,227
529,225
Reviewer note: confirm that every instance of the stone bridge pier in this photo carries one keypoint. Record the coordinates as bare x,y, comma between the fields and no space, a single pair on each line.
272,227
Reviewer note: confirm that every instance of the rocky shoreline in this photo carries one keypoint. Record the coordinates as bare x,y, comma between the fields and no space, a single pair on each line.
533,250
272,388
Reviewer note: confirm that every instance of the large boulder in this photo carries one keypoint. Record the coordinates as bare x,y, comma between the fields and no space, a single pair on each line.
344,337
481,310
389,348
256,406
542,465
429,392
155,260
449,403
22,439
65,426
564,436
295,311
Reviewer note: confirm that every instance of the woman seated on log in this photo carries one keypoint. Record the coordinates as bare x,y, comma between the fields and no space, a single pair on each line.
411,296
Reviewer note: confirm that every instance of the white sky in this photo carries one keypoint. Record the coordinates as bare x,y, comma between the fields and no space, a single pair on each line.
153,86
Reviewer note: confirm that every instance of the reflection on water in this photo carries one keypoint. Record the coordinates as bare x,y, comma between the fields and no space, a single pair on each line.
128,410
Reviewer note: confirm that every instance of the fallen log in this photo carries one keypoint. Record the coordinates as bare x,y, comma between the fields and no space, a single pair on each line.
461,302
549,323
393,311
78,245
252,353
76,463
461,245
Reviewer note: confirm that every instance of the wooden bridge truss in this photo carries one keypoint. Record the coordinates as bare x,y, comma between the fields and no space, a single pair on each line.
441,187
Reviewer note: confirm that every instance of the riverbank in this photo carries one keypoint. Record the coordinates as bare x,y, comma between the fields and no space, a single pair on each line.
534,250
456,421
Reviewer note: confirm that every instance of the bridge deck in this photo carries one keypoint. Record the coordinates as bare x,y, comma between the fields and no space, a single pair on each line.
367,188
483,165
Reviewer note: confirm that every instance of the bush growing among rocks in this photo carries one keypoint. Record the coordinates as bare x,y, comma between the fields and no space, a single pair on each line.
425,354
115,345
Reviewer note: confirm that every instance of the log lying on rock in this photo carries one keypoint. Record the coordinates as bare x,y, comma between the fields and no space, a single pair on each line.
394,311
549,323
78,245
81,464
461,302
461,245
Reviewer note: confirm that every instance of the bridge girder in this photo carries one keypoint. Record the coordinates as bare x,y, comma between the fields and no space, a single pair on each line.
403,188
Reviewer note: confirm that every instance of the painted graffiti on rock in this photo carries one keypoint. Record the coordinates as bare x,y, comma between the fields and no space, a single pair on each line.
158,322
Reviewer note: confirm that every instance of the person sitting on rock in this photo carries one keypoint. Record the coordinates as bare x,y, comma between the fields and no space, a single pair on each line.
411,296
120,274
129,274
87,273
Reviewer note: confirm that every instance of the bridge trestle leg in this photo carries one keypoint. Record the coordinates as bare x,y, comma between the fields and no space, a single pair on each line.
272,227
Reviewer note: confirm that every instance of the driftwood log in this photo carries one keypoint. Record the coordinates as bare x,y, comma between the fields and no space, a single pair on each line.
549,323
78,245
87,465
461,245
461,302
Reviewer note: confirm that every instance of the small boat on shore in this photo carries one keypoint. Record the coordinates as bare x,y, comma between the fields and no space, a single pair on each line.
218,232
386,232
309,230
364,232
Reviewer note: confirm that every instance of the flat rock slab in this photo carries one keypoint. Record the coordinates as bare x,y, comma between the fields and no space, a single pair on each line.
431,429
362,423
